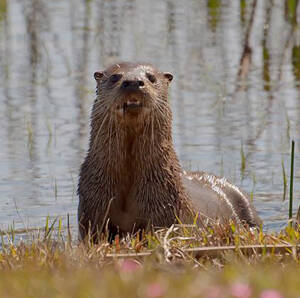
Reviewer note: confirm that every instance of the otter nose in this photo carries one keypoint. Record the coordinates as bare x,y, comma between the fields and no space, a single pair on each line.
132,84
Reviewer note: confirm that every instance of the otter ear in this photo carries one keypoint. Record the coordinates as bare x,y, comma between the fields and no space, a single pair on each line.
168,76
98,75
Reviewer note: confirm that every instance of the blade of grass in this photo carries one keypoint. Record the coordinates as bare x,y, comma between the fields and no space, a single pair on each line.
47,226
69,230
284,180
291,182
48,230
52,226
59,227
243,159
253,187
298,216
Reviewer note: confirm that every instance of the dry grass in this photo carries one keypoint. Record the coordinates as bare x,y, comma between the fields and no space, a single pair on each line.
164,263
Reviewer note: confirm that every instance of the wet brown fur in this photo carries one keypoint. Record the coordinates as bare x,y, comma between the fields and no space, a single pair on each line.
131,162
131,177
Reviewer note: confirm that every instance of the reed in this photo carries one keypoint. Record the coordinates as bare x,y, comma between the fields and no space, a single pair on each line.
291,182
284,180
243,159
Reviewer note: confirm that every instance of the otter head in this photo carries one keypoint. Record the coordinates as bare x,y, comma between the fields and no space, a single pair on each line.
130,92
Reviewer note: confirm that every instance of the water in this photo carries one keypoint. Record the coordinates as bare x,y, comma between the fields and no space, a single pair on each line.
49,51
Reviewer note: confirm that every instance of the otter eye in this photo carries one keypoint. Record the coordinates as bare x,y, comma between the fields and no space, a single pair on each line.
151,77
115,78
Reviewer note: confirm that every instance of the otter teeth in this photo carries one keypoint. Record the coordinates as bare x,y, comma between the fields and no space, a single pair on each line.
132,103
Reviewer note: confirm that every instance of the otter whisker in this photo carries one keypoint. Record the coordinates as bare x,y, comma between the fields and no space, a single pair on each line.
109,140
99,131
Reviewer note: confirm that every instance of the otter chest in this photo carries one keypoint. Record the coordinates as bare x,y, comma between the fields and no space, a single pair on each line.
124,212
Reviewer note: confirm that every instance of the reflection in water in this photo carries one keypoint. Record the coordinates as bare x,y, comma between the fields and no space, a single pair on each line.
214,10
296,61
236,68
266,52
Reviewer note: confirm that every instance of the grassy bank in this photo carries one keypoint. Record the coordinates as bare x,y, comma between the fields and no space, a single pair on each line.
183,261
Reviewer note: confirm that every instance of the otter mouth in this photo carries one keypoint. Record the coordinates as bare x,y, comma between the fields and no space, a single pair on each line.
131,105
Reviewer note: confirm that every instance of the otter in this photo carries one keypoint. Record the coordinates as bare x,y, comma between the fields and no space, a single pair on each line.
131,177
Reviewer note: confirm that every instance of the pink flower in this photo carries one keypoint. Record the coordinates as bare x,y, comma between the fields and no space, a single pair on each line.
270,294
240,290
155,289
129,266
